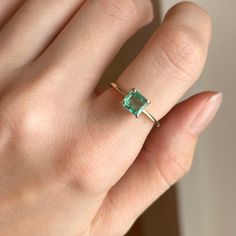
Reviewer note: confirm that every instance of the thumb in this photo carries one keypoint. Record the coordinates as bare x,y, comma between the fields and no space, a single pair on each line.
166,156
173,146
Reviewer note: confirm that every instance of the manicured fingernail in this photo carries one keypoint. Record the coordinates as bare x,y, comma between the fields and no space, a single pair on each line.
206,114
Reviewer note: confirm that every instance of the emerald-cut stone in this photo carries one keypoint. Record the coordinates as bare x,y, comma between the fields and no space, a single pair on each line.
135,102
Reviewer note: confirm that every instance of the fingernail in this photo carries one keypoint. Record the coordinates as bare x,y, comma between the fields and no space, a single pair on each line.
206,114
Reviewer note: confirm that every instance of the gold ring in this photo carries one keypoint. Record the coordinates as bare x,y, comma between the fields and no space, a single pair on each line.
135,103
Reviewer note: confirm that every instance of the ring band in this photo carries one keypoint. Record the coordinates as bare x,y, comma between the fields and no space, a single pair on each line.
135,103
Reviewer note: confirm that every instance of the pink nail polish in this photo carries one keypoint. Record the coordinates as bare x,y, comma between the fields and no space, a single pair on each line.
206,114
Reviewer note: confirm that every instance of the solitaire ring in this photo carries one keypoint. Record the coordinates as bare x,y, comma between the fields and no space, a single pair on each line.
135,103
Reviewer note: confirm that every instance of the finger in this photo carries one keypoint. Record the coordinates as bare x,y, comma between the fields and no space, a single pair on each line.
87,45
166,156
171,61
32,28
7,9
184,36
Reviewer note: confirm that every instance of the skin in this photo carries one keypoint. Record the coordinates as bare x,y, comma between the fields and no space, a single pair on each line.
74,162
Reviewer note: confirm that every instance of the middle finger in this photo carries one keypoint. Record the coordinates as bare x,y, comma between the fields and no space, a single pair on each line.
89,42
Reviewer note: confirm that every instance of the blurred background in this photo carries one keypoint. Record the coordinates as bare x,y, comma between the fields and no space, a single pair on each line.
204,202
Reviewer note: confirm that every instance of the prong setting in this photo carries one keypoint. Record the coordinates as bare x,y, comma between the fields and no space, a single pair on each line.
135,102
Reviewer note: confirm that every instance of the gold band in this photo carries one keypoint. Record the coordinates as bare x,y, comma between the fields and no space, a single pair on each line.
124,93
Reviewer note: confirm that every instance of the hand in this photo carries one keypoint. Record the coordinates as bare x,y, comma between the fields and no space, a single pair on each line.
74,162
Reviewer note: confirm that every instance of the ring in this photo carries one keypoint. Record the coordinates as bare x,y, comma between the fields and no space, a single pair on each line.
135,103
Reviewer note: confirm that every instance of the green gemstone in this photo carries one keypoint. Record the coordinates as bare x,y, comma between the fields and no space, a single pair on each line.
135,102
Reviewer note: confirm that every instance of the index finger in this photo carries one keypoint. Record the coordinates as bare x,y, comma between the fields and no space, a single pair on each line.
168,65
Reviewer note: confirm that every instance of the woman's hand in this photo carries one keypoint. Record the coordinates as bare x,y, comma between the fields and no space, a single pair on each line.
73,162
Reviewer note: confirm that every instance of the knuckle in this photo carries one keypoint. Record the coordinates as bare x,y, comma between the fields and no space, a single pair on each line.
31,121
130,9
183,50
185,166
31,126
182,161
178,164
193,7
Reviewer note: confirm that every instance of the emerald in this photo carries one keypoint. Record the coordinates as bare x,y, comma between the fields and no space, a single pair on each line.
135,102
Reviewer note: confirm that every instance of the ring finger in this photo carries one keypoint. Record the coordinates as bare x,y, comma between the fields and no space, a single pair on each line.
90,41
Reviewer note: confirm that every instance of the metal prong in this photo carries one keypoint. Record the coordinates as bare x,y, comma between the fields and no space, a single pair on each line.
124,93
134,90
148,102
